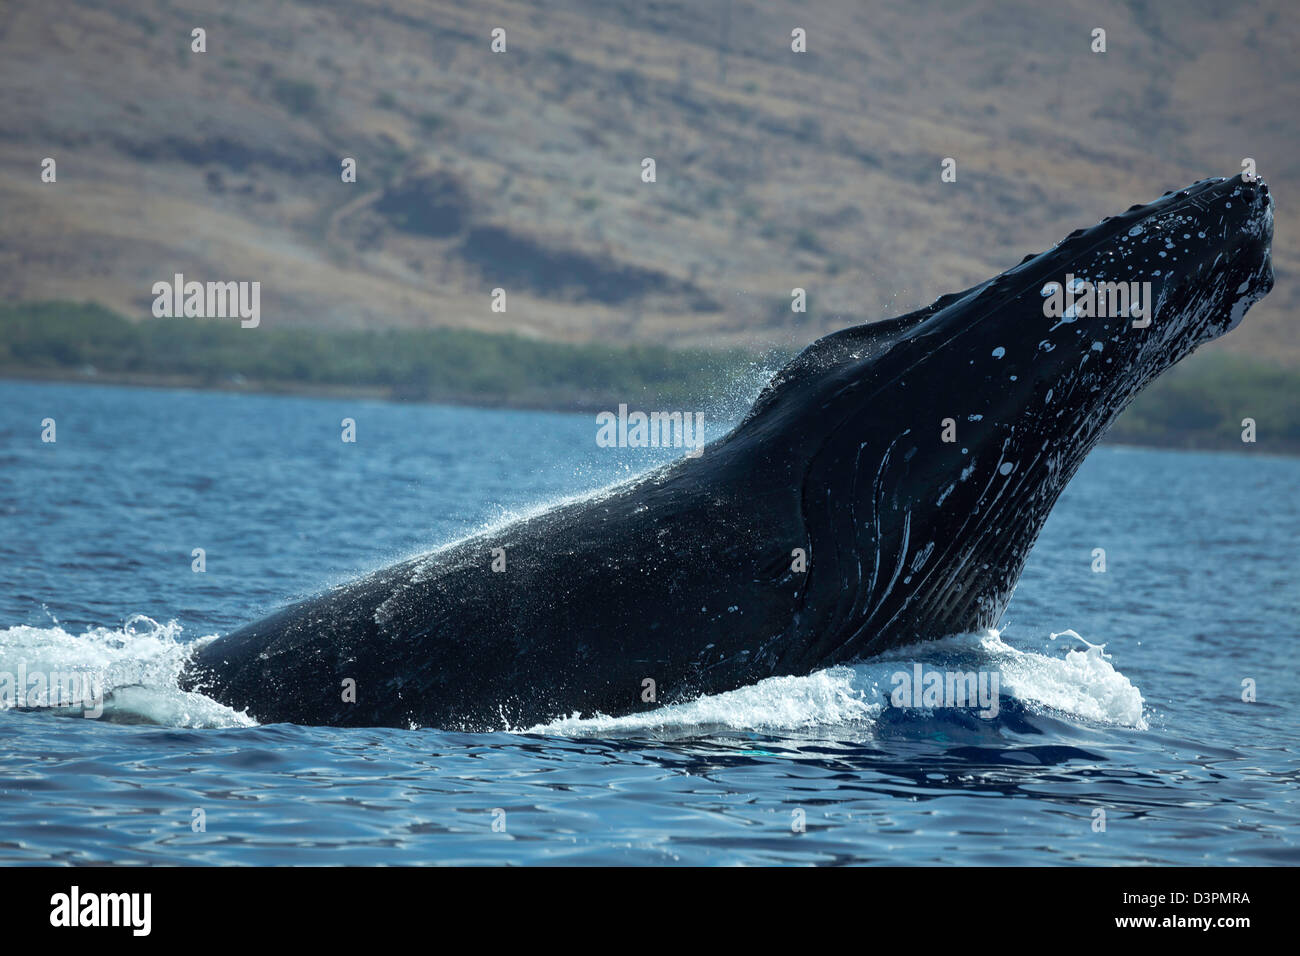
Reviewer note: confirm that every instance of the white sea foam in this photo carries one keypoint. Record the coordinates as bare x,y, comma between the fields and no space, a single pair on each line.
829,696
136,666
140,664
1082,685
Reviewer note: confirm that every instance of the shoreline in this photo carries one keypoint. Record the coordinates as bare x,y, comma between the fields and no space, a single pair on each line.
1204,402
555,402
290,389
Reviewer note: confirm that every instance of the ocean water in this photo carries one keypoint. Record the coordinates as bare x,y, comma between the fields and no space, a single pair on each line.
1121,734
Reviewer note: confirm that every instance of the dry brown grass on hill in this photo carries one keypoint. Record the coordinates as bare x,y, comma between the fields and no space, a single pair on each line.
521,169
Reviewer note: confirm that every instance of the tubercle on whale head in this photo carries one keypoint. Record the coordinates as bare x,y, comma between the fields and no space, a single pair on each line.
982,408
1233,224
1093,320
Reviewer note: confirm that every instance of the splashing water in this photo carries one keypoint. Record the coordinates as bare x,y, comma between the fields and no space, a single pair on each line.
138,666
1083,685
826,697
134,671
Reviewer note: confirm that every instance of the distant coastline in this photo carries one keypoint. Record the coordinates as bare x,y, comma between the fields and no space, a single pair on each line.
1199,404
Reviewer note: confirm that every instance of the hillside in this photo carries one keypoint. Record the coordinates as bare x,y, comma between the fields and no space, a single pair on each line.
522,169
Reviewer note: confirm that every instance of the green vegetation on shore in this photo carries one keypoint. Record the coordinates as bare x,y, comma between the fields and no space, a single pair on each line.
1198,404
61,340
1201,402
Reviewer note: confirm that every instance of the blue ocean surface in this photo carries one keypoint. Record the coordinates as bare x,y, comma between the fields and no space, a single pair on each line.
1124,739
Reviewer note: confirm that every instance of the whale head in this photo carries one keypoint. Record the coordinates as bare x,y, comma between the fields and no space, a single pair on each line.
929,449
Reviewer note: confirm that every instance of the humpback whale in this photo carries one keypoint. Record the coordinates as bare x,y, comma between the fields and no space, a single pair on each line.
885,488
